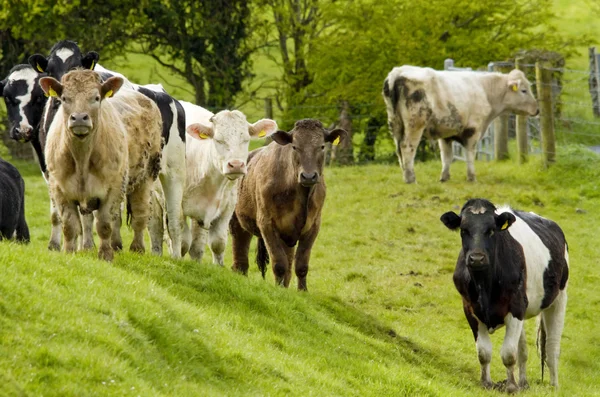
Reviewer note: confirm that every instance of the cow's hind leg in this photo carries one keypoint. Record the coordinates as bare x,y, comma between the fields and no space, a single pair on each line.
217,239
509,350
240,241
447,156
303,255
471,149
173,183
55,234
199,239
553,319
138,202
408,149
156,222
523,355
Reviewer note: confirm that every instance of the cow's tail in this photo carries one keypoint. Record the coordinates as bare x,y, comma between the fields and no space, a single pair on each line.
541,343
392,91
129,213
262,256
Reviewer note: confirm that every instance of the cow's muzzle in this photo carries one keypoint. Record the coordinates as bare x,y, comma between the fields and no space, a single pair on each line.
80,124
235,169
308,179
477,260
22,133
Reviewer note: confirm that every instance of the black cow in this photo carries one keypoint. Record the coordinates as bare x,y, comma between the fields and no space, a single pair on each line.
513,265
12,204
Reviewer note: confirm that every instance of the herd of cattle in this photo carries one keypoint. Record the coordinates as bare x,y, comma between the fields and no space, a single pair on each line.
103,142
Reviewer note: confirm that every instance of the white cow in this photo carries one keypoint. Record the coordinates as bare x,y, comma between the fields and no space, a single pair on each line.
449,106
215,158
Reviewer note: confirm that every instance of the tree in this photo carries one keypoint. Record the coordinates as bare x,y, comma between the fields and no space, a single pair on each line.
205,42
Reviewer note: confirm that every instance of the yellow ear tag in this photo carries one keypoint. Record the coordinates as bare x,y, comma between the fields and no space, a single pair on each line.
39,68
93,64
108,94
504,226
515,88
262,133
203,135
51,92
336,141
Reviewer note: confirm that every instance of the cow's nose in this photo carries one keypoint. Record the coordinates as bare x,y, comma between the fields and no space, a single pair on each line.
80,118
25,131
309,178
476,259
236,166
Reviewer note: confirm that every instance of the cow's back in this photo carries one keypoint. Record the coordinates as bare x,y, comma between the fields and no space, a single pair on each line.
546,257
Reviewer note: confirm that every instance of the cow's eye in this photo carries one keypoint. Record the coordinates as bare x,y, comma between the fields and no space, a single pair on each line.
464,232
97,98
490,232
294,147
524,91
322,147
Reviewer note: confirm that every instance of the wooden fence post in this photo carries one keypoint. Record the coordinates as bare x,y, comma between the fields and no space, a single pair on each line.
543,77
521,127
501,124
594,81
268,108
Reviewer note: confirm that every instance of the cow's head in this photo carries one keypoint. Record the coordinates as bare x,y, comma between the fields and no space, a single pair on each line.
24,101
307,141
480,228
81,94
519,98
230,134
64,56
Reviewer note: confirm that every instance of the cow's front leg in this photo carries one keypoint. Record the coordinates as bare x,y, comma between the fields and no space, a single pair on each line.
303,255
447,156
87,241
139,203
217,239
116,241
156,223
173,184
553,319
56,232
240,241
509,350
408,149
471,148
277,253
71,225
199,239
105,216
484,353
523,355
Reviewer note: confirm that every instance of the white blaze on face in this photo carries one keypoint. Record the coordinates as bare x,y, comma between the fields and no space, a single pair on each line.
64,54
28,75
231,137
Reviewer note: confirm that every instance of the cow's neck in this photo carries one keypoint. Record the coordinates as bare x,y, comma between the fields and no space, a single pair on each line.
495,87
81,151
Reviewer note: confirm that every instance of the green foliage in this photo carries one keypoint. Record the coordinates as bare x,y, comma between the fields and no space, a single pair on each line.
381,318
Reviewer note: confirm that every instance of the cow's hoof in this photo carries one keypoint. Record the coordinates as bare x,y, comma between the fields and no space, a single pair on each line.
106,254
136,247
444,178
54,246
512,388
88,245
471,179
117,245
487,384
524,384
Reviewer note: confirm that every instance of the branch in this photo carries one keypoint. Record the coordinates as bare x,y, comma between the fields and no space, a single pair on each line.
155,70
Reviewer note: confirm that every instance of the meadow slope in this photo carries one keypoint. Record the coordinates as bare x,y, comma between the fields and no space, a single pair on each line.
381,317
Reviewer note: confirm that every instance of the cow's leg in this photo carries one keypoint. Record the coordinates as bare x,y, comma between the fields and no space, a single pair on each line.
139,203
303,255
484,353
116,242
217,239
105,216
277,252
408,148
186,237
173,184
471,153
87,240
199,239
447,156
240,241
523,384
55,234
509,350
554,319
71,225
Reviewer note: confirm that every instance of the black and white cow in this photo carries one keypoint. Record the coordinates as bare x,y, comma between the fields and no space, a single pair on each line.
513,265
12,204
65,56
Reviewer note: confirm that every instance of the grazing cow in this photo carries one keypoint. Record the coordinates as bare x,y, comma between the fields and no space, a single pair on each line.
513,265
12,204
216,159
100,147
280,201
449,106
66,55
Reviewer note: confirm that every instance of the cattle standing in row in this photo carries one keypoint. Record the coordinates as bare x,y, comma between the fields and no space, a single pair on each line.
100,147
216,158
280,201
513,265
66,55
12,204
449,106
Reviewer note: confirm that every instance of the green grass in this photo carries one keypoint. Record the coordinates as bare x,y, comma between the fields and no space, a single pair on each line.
381,318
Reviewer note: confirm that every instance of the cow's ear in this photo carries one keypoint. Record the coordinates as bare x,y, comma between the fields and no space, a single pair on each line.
111,86
90,60
262,128
336,136
451,220
39,63
281,137
504,220
200,131
51,87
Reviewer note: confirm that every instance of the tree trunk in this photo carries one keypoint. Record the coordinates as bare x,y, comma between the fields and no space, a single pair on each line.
343,153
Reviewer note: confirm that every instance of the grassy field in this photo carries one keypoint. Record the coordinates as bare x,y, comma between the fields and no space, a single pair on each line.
381,317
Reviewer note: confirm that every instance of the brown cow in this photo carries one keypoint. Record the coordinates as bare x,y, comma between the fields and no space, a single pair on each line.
99,149
280,201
